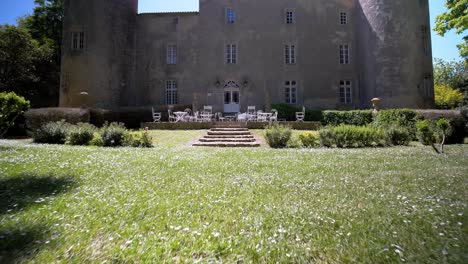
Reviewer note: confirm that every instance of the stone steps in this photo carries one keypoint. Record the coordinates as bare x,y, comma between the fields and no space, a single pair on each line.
229,129
228,133
227,144
228,137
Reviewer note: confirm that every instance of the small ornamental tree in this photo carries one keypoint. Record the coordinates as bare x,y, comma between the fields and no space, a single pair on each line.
11,106
443,126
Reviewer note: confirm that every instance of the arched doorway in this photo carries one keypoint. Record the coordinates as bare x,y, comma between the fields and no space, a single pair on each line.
231,97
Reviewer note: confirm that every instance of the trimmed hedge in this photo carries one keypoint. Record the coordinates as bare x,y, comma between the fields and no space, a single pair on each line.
355,117
348,136
132,117
35,118
288,112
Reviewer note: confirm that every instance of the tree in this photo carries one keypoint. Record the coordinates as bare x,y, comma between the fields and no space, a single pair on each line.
45,27
18,54
450,73
455,18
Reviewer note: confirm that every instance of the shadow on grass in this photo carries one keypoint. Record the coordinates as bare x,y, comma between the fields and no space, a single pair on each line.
22,240
21,191
18,244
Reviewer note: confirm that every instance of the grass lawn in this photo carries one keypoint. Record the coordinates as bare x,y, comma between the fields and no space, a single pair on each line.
176,204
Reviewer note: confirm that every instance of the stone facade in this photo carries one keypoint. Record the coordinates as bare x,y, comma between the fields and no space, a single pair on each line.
114,57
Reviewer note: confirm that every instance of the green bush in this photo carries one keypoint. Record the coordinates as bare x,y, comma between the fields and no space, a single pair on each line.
348,136
327,137
138,139
356,117
11,107
97,140
309,139
425,132
277,136
397,136
35,118
405,118
52,133
81,134
113,134
457,120
288,112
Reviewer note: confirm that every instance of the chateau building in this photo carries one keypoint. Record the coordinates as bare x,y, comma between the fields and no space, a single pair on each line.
323,54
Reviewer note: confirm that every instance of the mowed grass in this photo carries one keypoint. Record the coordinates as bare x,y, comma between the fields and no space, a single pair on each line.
183,204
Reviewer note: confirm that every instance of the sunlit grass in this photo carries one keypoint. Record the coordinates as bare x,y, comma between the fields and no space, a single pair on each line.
184,204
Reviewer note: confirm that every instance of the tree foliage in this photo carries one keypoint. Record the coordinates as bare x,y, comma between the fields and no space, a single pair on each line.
455,18
451,73
11,106
30,54
447,98
20,56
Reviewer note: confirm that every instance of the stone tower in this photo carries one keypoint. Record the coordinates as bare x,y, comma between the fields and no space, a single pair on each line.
97,52
395,52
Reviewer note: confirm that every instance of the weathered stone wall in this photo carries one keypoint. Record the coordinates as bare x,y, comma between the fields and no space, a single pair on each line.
394,62
104,68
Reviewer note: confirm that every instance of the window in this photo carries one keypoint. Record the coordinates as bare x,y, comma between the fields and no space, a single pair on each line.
345,92
290,92
427,86
171,92
344,54
343,18
171,54
290,16
231,53
175,20
290,54
77,41
425,40
230,15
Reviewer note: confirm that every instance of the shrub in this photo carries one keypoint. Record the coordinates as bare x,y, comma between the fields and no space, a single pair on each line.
11,107
294,142
327,137
35,118
52,133
397,136
447,97
348,136
138,139
277,136
97,140
425,133
405,118
356,117
81,134
457,121
313,115
286,111
113,134
309,139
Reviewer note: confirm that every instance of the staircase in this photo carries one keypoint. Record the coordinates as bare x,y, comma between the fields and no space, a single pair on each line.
228,136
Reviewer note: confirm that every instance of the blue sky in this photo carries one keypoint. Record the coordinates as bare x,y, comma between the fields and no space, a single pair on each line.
444,48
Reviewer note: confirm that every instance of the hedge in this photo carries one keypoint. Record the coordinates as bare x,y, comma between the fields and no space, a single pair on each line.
35,118
355,117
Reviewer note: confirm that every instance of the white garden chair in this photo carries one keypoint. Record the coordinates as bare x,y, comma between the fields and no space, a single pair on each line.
274,117
172,118
156,115
300,115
